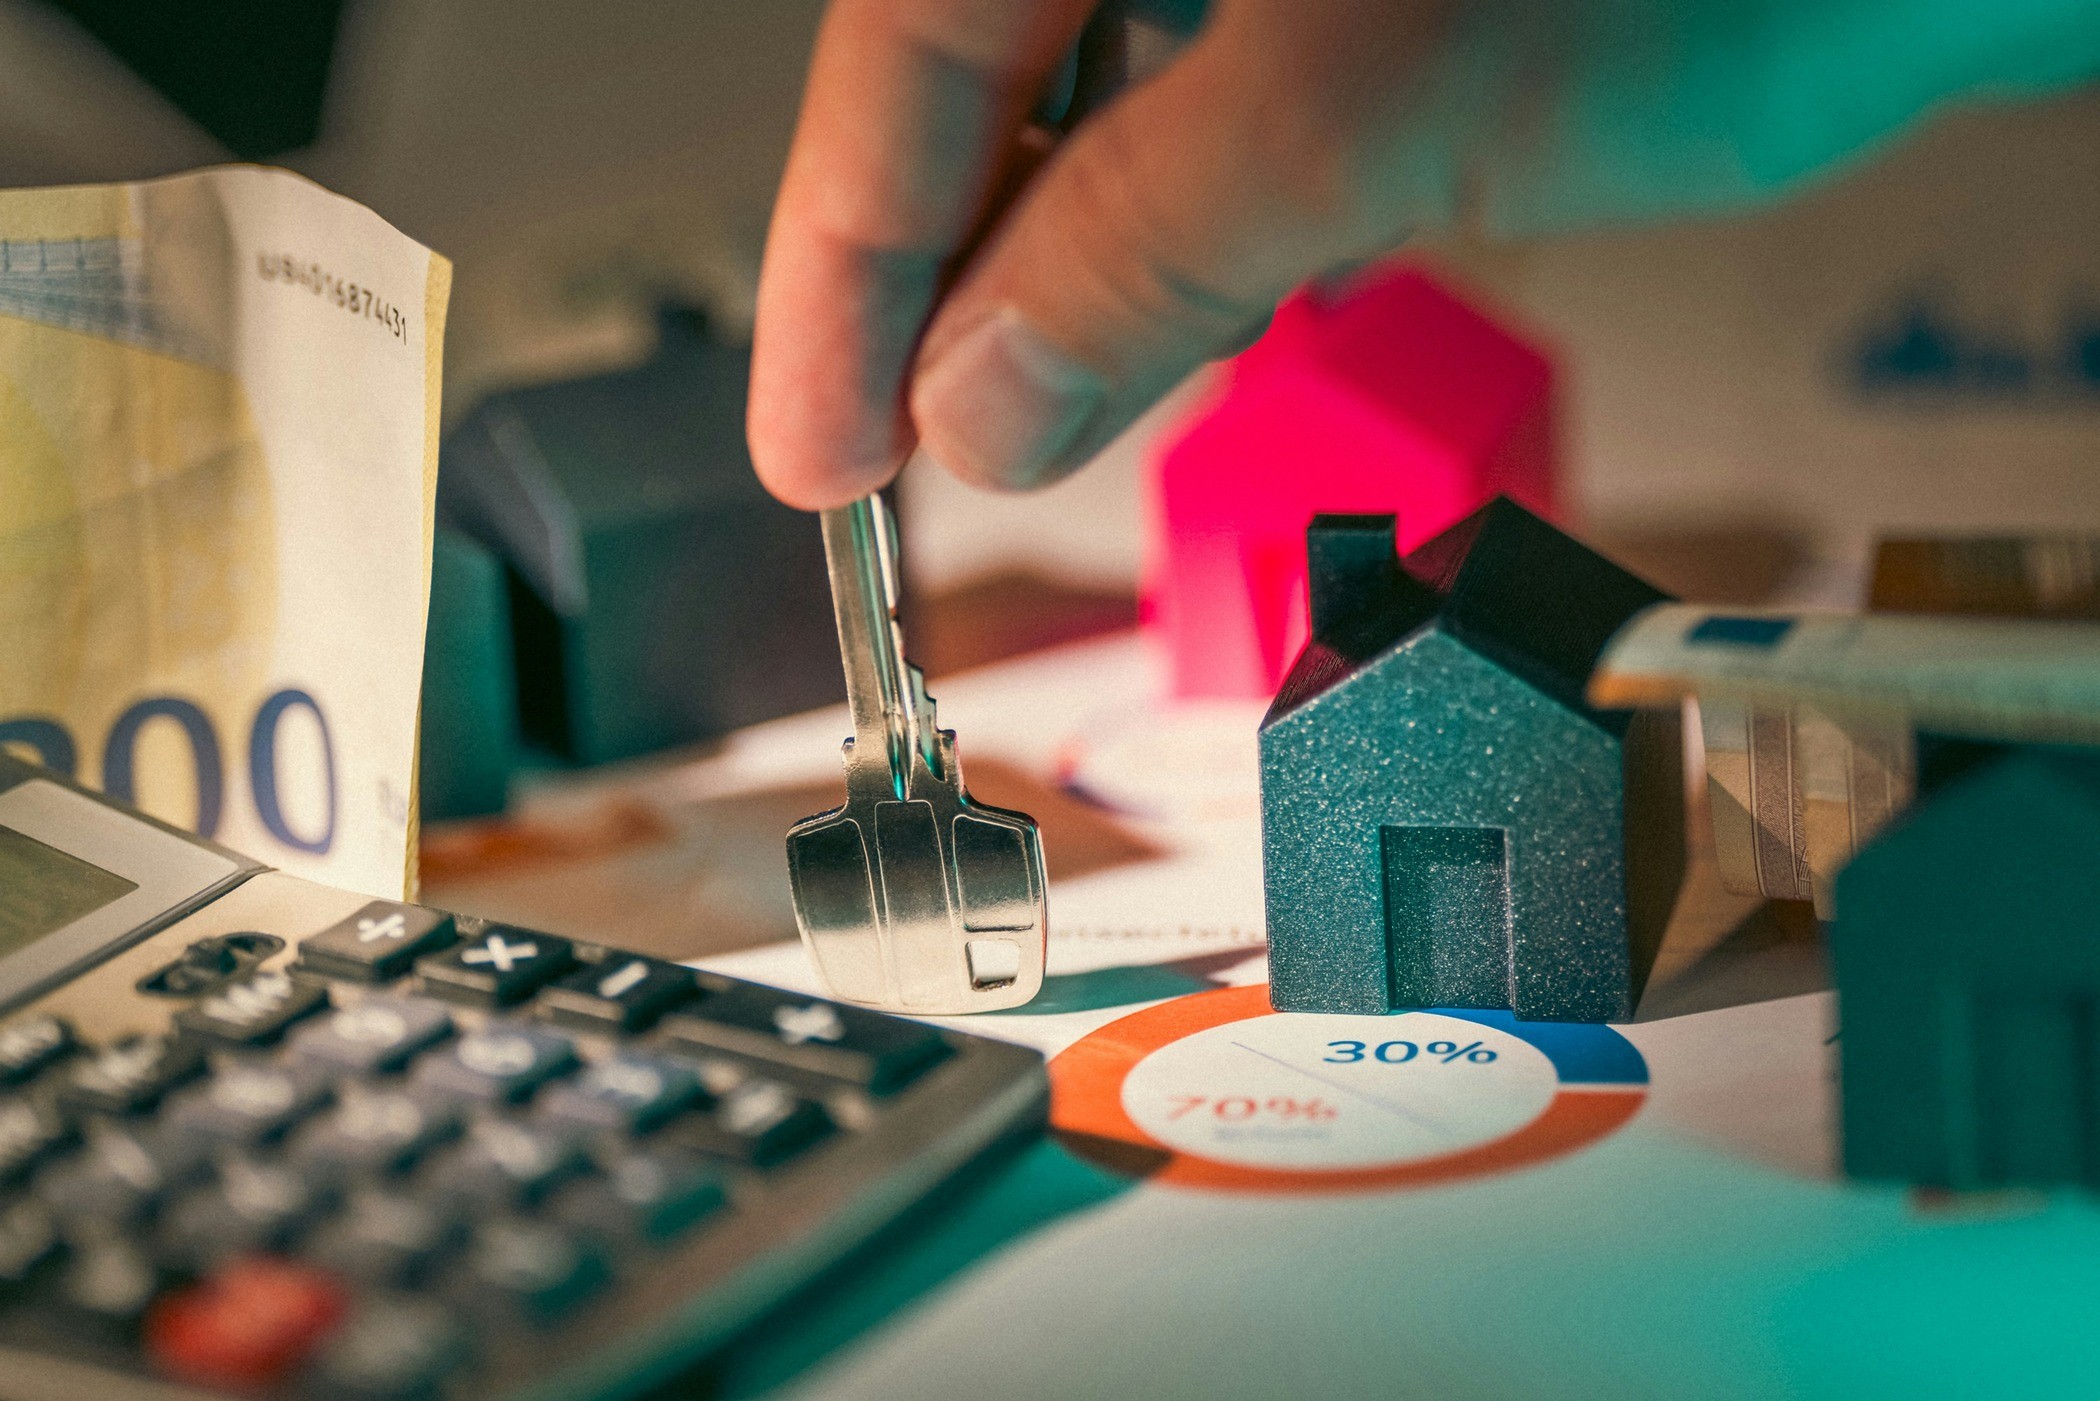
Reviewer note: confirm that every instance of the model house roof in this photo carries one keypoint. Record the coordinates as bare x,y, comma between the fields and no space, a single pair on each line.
1534,601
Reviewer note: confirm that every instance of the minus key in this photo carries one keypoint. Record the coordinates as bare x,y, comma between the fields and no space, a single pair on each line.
620,992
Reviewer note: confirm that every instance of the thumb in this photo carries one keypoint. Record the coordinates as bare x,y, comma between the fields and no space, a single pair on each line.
1164,232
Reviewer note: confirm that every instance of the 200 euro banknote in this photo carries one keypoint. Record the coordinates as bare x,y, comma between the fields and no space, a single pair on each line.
219,404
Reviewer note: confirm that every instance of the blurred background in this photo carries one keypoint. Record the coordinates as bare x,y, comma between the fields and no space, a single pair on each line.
1736,405
580,163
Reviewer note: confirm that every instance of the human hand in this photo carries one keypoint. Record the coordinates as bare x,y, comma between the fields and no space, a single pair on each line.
1060,292
936,274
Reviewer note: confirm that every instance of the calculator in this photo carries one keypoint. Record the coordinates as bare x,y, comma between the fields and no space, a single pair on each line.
263,1138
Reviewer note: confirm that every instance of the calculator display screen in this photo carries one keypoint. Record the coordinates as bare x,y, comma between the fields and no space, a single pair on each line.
42,889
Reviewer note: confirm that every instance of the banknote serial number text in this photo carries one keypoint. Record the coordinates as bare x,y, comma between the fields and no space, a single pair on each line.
353,297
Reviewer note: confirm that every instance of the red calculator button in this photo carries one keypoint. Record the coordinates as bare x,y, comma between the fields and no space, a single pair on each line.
251,1322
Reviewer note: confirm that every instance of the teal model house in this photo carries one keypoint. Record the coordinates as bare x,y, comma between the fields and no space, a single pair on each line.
1967,953
1445,821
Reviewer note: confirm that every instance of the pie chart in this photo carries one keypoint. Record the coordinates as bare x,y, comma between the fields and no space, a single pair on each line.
1218,1091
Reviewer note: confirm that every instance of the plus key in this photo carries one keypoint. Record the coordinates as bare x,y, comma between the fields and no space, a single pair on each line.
378,943
502,966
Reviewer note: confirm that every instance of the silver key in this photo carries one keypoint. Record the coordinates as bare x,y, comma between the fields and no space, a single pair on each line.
910,897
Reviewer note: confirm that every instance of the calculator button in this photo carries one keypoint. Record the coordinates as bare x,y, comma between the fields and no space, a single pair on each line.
876,1052
761,1123
372,1132
626,1093
117,1179
253,1206
622,992
31,1130
644,1197
209,962
131,1075
28,1237
391,1349
375,1035
383,1239
29,1044
255,1009
247,1324
110,1277
500,1064
378,943
530,1267
246,1104
501,966
501,1164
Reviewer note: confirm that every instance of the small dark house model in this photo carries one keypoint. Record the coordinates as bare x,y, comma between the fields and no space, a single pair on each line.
1445,822
658,594
1968,977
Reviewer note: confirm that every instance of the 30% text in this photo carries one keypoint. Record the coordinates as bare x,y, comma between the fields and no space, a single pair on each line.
1401,1052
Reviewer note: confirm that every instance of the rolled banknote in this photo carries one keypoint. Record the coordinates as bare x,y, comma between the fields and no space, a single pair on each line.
1978,677
1810,720
218,453
1793,792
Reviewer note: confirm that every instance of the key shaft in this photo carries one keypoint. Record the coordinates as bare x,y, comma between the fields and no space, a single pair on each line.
894,731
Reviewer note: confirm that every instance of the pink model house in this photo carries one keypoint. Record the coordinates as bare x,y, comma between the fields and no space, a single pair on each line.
1386,393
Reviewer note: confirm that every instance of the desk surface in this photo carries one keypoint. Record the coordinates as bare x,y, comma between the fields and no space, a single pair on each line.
1703,1246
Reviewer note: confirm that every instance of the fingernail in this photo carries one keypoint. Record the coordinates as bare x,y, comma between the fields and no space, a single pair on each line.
1002,403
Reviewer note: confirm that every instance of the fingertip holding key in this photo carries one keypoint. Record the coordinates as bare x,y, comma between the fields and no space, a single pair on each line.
911,897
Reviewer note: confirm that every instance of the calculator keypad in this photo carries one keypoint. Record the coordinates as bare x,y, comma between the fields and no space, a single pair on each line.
28,1236
629,1093
392,1346
378,943
117,1178
373,1133
252,1206
759,1124
246,1324
502,1164
645,1196
499,967
29,1044
532,1270
385,1238
875,1052
109,1278
246,1104
254,1009
131,1075
497,1065
378,1035
349,1168
622,992
31,1130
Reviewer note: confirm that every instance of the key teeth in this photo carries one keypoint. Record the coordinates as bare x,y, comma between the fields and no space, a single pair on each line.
941,755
